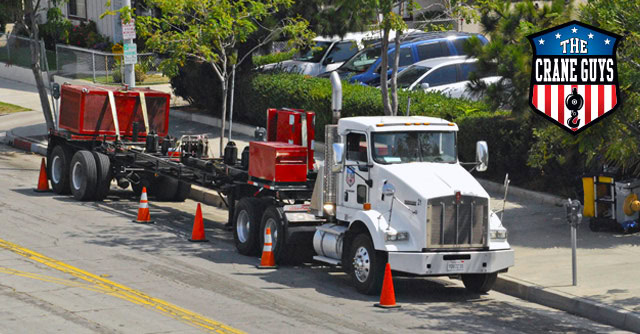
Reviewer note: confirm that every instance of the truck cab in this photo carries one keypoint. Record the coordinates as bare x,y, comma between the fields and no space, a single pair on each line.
402,197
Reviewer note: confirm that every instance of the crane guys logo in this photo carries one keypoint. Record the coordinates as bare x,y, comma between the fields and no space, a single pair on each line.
574,77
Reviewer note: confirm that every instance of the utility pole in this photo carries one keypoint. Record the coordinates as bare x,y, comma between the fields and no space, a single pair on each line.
130,50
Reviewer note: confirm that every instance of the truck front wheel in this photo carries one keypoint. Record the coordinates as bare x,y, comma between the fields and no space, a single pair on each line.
479,283
246,225
367,265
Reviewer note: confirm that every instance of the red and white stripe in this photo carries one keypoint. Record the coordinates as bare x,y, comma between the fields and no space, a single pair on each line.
598,100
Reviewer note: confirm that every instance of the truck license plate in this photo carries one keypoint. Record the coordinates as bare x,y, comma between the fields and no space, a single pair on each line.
455,266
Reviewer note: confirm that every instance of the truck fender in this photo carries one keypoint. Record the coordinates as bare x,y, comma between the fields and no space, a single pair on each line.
372,220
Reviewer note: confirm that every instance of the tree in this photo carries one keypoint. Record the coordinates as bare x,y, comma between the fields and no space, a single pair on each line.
508,52
211,32
390,21
25,14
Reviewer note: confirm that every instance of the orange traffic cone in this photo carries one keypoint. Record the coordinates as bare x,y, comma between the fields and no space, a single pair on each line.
268,260
197,234
388,296
43,181
143,210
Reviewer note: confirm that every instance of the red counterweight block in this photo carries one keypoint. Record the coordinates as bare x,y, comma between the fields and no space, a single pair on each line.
277,162
292,126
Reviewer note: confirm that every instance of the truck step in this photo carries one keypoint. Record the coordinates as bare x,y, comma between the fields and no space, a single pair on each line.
327,260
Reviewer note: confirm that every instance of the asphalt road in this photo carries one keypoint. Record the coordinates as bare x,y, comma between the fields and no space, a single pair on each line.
72,267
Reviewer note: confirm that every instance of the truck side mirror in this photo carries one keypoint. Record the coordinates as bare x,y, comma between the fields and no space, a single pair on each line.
338,153
388,190
482,156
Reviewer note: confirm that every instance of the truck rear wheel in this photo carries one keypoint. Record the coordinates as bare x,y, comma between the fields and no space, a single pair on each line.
274,219
58,163
479,283
83,175
184,188
246,225
165,188
103,183
367,265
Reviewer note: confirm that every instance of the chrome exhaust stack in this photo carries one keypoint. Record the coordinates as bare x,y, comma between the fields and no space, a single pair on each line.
336,97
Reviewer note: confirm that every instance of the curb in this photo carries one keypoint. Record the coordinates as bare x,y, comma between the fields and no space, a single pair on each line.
24,143
583,307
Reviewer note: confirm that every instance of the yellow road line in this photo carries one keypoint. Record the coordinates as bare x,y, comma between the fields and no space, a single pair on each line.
114,289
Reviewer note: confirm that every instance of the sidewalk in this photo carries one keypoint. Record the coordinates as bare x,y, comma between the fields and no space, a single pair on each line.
608,264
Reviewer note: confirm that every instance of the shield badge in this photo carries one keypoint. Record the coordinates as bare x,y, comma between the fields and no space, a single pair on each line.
574,76
350,177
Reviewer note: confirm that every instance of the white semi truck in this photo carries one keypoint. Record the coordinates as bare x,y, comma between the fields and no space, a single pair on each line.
390,189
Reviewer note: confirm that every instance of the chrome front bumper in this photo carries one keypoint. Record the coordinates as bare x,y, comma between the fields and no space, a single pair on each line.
452,263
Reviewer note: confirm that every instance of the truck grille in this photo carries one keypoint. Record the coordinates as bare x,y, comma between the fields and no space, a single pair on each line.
457,225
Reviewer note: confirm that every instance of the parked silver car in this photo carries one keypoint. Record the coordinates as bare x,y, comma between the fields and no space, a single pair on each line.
448,75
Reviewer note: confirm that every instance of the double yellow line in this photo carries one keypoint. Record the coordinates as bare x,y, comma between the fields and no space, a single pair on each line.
103,285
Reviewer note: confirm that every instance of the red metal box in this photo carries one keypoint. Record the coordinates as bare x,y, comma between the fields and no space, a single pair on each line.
277,162
293,126
85,110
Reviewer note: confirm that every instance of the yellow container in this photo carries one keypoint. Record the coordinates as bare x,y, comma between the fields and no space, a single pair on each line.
589,197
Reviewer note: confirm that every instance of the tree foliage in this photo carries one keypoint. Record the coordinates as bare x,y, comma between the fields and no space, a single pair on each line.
508,52
212,32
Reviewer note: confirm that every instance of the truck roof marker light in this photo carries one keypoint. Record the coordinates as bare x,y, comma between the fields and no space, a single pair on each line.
380,124
452,124
417,123
426,123
407,123
366,206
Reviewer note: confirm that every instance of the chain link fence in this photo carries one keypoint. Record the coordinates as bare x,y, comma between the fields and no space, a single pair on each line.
16,50
104,67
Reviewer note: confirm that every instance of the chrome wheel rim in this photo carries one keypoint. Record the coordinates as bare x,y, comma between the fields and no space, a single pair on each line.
56,169
361,264
243,225
271,223
77,175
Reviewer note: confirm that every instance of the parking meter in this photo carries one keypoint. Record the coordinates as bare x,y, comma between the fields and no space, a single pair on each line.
574,218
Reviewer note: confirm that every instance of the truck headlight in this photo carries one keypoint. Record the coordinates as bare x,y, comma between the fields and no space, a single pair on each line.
498,234
329,209
396,236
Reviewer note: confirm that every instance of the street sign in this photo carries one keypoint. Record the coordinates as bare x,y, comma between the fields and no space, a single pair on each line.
129,29
130,54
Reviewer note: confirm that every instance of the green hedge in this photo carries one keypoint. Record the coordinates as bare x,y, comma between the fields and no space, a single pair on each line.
512,140
273,57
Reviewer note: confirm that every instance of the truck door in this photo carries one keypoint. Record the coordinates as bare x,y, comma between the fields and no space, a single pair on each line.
355,190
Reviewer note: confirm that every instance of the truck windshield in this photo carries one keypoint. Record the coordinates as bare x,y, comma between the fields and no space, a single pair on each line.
414,146
313,54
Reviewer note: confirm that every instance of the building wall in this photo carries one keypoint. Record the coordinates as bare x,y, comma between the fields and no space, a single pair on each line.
95,8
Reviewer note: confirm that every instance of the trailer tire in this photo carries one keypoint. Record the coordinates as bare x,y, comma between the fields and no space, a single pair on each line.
246,225
105,175
58,164
367,267
83,175
184,188
479,283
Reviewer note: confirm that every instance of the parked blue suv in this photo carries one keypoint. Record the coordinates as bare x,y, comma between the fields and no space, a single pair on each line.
364,66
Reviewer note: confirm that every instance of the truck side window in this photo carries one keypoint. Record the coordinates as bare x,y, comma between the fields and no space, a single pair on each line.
361,194
357,147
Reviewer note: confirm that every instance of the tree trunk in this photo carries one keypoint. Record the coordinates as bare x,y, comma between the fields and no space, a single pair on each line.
35,64
384,65
225,94
394,75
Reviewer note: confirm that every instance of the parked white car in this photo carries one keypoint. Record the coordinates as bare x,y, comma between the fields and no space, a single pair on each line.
448,75
328,53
